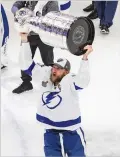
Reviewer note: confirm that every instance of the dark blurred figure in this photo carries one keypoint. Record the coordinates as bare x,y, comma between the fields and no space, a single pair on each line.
91,8
106,11
35,42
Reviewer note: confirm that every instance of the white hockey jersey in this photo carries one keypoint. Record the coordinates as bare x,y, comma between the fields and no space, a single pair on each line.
58,107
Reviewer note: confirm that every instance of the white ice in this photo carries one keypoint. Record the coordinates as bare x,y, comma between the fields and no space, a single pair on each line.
22,135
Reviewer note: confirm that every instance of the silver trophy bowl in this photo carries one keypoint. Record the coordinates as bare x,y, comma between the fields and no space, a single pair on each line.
57,29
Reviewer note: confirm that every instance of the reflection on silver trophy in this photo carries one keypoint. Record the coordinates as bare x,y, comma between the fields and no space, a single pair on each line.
57,29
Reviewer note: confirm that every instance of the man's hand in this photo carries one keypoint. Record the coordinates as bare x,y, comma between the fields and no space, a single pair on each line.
89,50
24,38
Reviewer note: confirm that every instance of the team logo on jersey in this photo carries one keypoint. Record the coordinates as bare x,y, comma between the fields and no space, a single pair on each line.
51,99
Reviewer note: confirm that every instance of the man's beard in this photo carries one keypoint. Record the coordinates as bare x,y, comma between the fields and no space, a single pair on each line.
57,79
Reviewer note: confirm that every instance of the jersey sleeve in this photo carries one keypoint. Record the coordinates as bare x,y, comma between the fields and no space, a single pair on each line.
81,80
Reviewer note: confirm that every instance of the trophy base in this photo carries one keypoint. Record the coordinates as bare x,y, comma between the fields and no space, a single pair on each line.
80,34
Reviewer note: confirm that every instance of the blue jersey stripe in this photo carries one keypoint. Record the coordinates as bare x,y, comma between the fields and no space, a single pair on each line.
77,87
58,124
65,6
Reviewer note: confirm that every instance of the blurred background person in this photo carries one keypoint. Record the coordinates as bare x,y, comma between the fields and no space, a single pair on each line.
106,12
91,8
35,42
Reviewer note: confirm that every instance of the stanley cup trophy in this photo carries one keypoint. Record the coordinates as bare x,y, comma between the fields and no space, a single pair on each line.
57,29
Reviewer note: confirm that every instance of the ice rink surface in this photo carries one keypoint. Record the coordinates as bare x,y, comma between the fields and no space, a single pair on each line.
21,135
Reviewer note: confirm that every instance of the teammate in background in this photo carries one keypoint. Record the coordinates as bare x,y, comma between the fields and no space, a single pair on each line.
91,8
34,40
58,105
106,12
4,35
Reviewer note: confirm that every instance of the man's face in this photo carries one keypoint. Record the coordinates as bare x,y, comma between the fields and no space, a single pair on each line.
57,74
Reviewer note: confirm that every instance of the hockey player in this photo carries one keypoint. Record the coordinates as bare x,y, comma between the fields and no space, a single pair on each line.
58,105
4,35
46,51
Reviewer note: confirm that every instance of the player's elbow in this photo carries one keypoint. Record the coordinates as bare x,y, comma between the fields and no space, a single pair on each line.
84,82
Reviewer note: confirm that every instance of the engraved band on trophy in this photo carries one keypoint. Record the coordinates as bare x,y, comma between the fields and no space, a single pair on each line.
58,30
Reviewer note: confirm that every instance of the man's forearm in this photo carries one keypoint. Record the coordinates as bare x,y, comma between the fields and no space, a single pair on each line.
83,77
